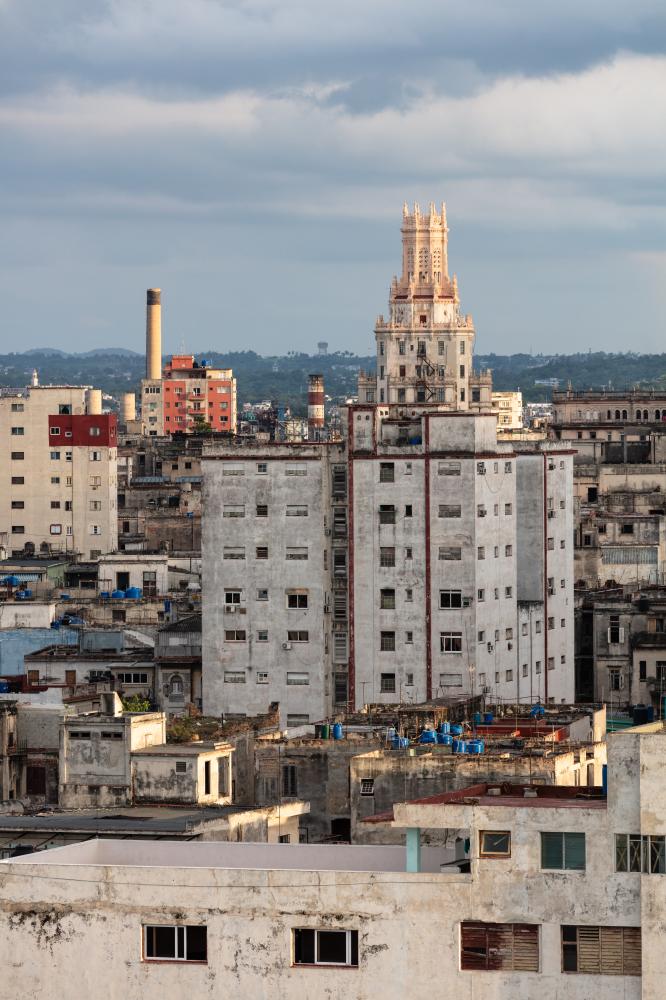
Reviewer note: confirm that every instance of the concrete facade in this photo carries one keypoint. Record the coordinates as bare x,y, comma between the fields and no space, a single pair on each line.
575,925
58,472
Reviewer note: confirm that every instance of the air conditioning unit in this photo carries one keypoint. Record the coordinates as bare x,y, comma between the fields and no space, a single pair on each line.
230,608
286,645
467,602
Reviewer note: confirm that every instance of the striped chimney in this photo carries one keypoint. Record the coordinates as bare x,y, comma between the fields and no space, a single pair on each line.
315,407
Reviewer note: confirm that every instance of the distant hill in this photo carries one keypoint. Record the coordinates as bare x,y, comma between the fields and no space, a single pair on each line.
284,377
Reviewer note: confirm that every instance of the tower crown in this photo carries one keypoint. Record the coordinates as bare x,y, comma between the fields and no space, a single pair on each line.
424,246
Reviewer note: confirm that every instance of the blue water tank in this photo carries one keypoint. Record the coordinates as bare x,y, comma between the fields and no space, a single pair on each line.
476,718
488,718
133,592
444,739
475,746
104,594
26,594
337,731
445,727
537,711
55,624
64,597
4,687
20,595
456,729
428,736
117,593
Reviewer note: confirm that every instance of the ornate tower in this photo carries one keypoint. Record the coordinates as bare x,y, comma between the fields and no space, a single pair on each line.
425,347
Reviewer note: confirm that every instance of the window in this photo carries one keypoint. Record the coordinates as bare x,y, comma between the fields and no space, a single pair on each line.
262,595
262,468
111,734
450,553
298,635
289,780
297,510
499,947
508,509
234,677
295,552
450,680
17,407
18,456
297,678
481,636
450,642
481,552
610,951
54,455
79,734
175,943
387,642
448,468
233,510
387,556
262,635
481,595
551,544
18,529
55,480
494,844
232,596
261,552
450,599
409,637
232,470
17,432
262,677
636,853
367,786
387,599
94,432
642,668
325,947
508,550
297,601
386,513
615,631
509,675
563,851
386,472
18,504
95,456
132,678
387,683
235,634
450,510
55,529
408,552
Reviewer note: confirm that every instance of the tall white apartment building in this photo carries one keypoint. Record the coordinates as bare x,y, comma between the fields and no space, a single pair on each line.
58,471
435,561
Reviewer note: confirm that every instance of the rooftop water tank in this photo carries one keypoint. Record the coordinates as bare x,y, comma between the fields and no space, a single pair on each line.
117,593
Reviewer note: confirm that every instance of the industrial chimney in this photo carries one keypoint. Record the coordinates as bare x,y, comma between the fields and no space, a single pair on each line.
93,401
128,407
315,407
153,334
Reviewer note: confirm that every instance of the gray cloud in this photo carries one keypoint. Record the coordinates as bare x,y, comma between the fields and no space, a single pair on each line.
252,159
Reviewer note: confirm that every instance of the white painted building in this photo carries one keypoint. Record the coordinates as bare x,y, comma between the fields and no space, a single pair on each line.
553,892
509,409
58,471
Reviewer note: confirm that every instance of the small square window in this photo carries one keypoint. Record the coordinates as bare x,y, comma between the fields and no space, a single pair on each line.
494,844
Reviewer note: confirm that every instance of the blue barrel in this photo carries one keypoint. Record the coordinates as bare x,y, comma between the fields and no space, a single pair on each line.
403,741
117,593
456,729
488,718
444,727
475,746
444,739
337,731
476,718
428,736
395,743
104,594
462,746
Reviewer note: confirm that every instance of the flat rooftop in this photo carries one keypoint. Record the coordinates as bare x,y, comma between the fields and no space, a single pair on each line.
134,820
223,855
182,749
506,794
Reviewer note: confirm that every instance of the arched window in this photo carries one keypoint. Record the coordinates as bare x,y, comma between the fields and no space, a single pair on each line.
624,414
638,414
608,415
617,414
657,414
423,264
645,415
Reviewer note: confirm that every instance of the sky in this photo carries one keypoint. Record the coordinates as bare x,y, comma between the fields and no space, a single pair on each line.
251,158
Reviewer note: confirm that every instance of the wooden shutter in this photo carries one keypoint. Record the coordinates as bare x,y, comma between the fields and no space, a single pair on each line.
632,951
526,947
589,952
611,950
473,946
497,947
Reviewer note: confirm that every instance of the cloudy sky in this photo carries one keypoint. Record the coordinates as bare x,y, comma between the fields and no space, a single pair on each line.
251,157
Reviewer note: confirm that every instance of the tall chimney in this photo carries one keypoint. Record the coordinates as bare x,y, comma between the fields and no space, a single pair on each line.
153,334
315,407
128,407
93,401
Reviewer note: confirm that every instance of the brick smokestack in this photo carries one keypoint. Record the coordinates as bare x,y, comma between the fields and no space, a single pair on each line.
154,333
315,407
